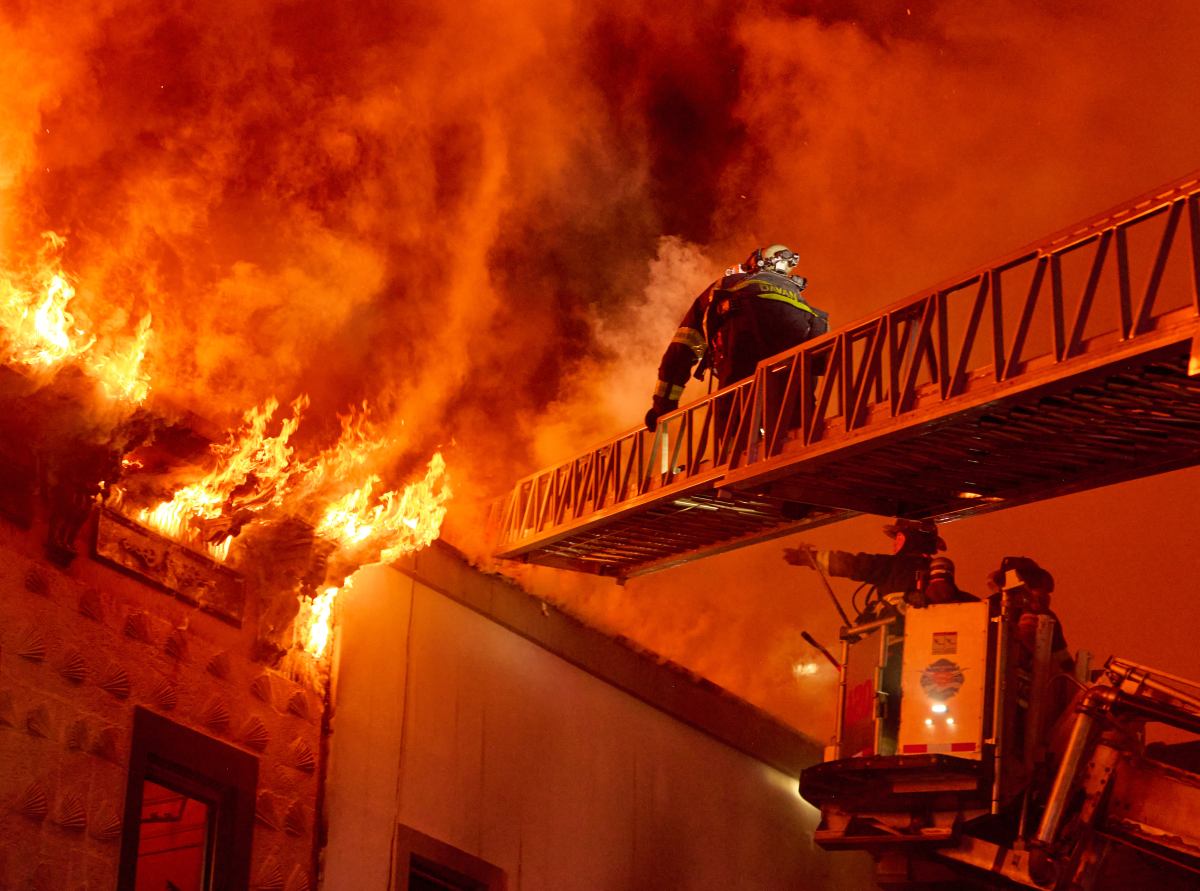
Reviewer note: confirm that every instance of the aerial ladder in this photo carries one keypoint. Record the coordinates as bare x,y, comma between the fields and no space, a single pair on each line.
1071,363
960,759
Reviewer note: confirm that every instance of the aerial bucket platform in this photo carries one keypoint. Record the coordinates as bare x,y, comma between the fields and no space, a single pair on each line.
1070,364
961,760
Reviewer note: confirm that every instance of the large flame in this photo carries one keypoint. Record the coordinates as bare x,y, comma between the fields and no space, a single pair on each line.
255,470
313,625
252,472
41,333
40,330
392,523
121,373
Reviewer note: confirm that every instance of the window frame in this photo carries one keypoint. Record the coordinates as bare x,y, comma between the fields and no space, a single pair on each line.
205,769
444,859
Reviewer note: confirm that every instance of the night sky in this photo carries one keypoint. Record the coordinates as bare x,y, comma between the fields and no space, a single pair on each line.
485,221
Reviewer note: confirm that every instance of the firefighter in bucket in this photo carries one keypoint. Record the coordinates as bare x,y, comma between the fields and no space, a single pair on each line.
876,682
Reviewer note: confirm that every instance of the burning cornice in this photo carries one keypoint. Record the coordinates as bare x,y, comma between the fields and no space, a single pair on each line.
190,576
83,433
267,529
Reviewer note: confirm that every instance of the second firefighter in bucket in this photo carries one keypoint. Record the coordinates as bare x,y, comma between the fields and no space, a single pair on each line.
913,575
757,309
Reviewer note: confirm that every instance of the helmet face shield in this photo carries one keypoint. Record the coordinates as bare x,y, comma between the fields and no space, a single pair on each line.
779,257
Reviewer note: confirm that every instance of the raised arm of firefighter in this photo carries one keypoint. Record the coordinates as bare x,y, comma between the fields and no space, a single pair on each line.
686,348
890,573
912,569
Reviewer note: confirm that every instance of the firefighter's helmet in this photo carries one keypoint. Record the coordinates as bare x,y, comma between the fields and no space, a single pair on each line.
777,258
1028,573
940,586
915,536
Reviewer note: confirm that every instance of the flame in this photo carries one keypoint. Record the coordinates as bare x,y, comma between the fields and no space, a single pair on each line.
255,471
120,373
39,328
365,527
313,623
358,446
52,326
220,550
252,472
42,334
393,523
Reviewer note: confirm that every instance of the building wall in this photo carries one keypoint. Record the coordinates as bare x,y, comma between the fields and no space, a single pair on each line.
80,648
453,725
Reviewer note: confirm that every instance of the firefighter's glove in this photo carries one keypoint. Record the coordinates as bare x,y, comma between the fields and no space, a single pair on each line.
660,407
801,555
917,599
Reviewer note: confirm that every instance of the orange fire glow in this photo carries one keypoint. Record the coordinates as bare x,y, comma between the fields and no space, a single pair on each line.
322,198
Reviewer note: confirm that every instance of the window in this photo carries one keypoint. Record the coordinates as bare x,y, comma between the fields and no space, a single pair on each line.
189,810
175,833
426,864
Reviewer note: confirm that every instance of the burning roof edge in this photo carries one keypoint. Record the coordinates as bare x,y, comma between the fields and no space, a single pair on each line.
660,683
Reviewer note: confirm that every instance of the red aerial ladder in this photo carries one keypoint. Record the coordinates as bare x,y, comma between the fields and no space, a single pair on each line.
1070,364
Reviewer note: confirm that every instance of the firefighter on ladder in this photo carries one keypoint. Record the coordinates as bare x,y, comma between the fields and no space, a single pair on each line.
757,309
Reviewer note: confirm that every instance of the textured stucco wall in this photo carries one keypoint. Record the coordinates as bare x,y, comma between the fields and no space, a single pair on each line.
79,649
451,724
